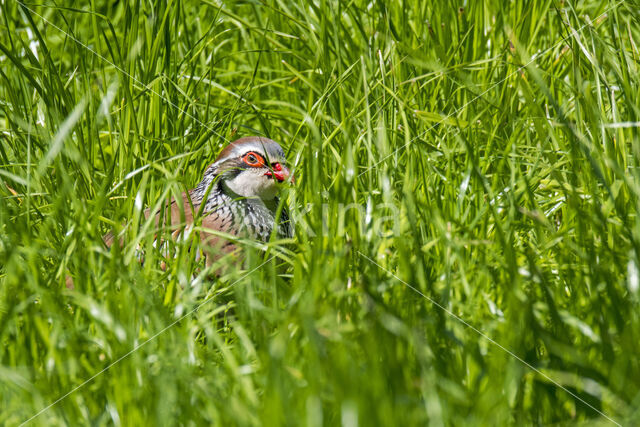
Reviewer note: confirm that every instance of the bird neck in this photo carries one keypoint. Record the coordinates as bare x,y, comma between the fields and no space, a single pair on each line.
253,214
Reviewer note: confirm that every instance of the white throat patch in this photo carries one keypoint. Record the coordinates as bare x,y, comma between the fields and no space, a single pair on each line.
253,183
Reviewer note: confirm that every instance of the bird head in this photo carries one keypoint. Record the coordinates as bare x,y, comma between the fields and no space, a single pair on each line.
252,167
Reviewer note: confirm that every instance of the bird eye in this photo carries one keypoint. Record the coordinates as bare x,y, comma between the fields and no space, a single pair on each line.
253,159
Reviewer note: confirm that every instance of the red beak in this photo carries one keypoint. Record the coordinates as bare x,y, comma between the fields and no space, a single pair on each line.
281,173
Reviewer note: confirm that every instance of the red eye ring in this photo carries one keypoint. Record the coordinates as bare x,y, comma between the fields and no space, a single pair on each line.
253,159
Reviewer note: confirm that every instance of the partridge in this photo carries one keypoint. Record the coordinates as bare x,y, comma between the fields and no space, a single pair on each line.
238,195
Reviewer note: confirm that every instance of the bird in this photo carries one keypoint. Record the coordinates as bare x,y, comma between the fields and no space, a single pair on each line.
237,195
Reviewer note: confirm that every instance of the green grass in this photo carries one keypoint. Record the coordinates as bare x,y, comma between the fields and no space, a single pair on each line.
486,155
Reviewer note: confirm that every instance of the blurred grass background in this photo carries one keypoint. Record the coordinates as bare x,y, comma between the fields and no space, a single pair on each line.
484,152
